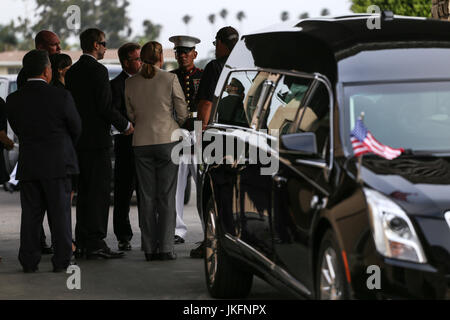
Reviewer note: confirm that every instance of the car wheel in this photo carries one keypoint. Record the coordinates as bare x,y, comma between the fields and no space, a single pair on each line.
224,279
331,283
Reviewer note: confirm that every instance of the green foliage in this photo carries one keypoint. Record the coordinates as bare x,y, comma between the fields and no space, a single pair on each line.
304,15
420,8
108,15
8,39
325,12
151,32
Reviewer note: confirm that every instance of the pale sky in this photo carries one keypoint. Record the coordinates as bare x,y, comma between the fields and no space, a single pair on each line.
260,14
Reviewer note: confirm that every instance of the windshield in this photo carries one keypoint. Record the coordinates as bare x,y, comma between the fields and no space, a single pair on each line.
412,115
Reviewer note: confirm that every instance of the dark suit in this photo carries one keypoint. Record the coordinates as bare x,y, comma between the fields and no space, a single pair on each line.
124,166
88,82
21,81
48,125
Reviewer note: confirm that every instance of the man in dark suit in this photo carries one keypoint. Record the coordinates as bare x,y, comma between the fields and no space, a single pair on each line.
88,82
48,125
124,168
44,40
48,41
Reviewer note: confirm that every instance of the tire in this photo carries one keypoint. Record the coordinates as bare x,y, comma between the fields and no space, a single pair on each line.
329,261
187,191
224,279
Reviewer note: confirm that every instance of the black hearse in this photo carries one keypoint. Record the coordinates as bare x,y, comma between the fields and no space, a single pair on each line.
318,225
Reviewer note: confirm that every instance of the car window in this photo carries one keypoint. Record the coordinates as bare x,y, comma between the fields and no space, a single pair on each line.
284,104
315,117
412,115
3,88
237,102
12,87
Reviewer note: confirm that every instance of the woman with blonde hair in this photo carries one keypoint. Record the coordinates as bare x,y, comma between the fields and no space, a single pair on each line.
151,97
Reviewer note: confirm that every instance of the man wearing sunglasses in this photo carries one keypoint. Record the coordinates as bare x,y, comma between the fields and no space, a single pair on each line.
189,76
88,81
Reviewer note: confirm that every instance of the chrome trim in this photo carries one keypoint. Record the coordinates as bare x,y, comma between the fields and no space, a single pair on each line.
282,274
447,217
322,165
312,182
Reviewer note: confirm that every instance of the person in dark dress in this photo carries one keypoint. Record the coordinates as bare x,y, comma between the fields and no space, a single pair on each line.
60,64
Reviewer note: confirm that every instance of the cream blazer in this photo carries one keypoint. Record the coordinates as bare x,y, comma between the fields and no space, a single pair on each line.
150,106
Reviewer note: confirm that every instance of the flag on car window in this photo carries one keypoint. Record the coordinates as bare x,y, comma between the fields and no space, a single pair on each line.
363,142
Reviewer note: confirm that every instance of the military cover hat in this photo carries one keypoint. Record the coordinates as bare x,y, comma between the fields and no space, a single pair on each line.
184,41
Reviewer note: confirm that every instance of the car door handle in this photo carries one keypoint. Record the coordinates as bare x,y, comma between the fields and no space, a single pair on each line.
280,181
318,203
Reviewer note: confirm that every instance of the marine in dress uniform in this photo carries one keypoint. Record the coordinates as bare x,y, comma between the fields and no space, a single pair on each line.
189,76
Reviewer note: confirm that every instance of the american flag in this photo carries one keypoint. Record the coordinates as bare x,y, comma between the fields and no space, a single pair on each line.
363,142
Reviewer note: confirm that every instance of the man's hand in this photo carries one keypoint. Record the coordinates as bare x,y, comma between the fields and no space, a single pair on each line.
130,130
9,145
7,142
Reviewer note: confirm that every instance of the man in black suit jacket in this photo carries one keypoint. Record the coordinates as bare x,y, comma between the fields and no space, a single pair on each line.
48,125
124,168
44,40
48,41
88,82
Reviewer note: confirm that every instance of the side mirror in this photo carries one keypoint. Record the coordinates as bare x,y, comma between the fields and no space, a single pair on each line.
304,142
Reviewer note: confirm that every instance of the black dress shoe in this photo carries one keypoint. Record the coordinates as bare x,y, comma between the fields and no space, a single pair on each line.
45,249
151,256
167,256
30,270
79,253
64,269
199,252
124,245
105,253
178,239
8,187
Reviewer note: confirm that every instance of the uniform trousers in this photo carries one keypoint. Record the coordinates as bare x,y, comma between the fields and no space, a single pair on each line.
36,197
157,184
186,165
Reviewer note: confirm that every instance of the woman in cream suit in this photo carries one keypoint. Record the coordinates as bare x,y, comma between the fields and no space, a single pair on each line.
151,97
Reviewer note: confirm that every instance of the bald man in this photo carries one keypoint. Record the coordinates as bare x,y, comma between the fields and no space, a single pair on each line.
48,41
44,40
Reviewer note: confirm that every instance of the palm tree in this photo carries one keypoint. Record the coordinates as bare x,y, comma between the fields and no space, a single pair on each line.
186,19
212,21
304,15
212,18
325,12
240,16
284,16
224,13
